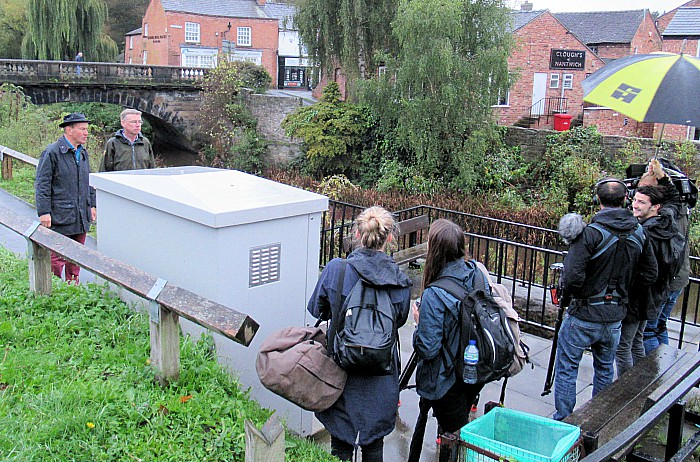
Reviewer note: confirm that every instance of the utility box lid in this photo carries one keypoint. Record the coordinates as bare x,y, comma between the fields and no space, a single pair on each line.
214,197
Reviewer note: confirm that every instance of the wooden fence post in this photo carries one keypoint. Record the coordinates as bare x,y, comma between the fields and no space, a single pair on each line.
39,259
6,165
266,444
165,337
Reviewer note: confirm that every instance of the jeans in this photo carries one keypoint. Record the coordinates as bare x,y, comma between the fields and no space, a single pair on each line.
575,335
656,332
71,269
631,347
372,452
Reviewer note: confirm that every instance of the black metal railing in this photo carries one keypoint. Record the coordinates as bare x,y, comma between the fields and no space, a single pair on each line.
547,107
516,253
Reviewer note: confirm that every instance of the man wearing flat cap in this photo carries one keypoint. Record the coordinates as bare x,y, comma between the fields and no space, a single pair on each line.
65,202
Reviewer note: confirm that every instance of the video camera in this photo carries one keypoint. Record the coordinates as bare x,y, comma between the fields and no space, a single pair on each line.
685,186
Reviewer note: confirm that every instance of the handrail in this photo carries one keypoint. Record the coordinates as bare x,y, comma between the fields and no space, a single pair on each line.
167,302
545,104
646,421
6,156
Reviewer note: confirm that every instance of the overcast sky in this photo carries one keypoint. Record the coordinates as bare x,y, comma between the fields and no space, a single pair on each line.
558,6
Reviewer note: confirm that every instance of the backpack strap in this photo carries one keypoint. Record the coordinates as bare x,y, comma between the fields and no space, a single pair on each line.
335,308
611,293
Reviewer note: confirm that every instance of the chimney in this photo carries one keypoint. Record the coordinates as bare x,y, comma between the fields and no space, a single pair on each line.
260,2
526,6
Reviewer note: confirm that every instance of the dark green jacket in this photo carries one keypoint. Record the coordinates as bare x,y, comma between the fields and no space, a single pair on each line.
120,154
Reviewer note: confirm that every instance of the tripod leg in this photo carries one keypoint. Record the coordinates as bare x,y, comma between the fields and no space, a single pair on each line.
419,432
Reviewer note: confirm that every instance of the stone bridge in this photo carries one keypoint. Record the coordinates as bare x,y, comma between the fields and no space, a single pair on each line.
169,97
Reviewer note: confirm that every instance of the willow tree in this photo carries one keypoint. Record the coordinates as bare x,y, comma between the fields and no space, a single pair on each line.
59,29
434,101
346,33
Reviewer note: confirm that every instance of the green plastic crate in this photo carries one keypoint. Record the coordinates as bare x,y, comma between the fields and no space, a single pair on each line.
521,436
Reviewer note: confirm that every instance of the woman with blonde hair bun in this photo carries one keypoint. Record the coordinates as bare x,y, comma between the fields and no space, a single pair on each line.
366,411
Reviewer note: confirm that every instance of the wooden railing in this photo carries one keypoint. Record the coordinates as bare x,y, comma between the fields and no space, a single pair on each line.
20,72
6,156
167,303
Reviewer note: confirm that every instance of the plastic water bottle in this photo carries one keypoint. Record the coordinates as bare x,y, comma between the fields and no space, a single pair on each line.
471,359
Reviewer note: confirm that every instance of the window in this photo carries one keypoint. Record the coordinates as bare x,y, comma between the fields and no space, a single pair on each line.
568,83
129,59
503,100
192,32
145,57
131,42
594,48
199,58
553,80
243,36
145,30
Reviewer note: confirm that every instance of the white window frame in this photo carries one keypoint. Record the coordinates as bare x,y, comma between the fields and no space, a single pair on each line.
145,30
145,56
502,102
131,42
554,80
192,32
568,82
244,36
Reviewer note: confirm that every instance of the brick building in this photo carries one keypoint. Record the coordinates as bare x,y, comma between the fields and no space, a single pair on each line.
196,33
132,47
548,63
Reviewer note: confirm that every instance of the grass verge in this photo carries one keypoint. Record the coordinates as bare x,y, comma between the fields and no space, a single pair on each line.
75,384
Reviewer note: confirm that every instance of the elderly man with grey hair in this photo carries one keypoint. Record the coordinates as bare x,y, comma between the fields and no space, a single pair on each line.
128,149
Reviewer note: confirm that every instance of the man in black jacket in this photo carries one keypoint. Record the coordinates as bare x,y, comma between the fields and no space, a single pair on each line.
646,299
65,202
598,269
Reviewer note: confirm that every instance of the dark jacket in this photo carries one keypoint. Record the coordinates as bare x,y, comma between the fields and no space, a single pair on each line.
62,188
646,299
584,277
437,330
367,408
121,154
679,210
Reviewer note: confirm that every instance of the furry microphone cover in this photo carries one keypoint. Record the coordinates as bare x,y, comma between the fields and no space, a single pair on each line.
570,226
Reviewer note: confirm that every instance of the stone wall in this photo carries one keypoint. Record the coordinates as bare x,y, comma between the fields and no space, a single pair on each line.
270,111
533,143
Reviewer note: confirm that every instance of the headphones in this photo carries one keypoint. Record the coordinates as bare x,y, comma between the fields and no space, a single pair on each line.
627,202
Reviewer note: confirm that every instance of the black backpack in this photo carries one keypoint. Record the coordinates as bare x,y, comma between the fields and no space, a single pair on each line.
675,255
363,335
481,319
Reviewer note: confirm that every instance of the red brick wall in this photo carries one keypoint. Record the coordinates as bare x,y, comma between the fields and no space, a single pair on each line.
614,50
647,38
157,48
674,45
133,53
531,55
164,41
611,122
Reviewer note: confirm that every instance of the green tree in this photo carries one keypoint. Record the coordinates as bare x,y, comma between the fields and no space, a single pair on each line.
228,129
59,29
434,101
13,24
125,16
334,133
346,32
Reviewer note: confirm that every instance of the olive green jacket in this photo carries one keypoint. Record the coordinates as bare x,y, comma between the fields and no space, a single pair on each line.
121,154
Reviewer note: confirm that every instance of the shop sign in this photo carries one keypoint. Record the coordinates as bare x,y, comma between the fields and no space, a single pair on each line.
567,59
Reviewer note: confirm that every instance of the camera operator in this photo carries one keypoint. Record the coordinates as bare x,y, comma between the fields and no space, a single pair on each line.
595,280
655,332
646,299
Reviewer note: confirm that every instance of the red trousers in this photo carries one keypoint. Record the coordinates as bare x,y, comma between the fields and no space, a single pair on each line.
58,263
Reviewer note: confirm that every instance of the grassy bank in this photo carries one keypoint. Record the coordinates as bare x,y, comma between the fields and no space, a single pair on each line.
75,384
